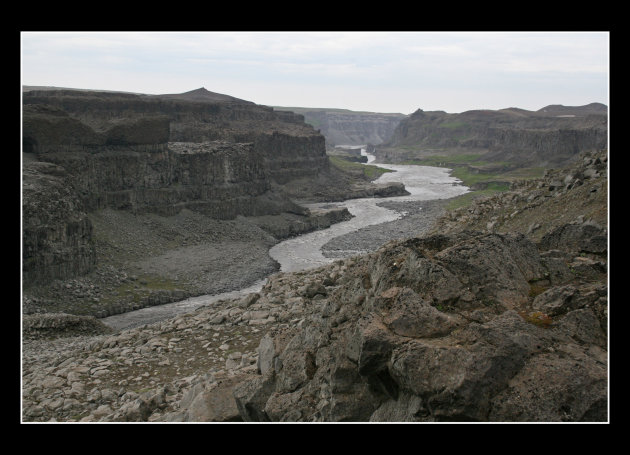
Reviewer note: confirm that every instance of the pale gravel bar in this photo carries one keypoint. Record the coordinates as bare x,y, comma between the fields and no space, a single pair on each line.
418,217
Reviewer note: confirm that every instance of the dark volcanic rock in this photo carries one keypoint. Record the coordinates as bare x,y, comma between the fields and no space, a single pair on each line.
436,329
209,153
578,238
56,232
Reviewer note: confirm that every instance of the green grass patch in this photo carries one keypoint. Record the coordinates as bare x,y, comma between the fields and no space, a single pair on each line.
470,178
525,173
465,199
138,289
368,170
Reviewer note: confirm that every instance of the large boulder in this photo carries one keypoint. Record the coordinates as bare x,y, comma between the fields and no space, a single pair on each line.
577,238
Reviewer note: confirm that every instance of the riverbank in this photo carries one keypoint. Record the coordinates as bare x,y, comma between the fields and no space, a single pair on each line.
417,218
149,260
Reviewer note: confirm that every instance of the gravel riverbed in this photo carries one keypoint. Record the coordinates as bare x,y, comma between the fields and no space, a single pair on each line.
417,218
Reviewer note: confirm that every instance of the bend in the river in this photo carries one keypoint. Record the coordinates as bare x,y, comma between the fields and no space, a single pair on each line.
422,182
304,252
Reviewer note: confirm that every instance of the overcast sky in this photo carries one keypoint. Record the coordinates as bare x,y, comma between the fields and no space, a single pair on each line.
368,71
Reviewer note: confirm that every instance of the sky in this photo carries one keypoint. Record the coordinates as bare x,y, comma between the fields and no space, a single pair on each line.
361,71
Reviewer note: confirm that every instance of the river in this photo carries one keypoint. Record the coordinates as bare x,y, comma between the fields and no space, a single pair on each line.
304,252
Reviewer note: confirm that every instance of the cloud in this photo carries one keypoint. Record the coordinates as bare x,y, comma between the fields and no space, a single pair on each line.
377,68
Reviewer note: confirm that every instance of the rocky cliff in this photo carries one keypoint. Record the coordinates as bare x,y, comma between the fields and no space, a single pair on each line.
113,151
460,325
198,116
552,136
216,155
490,324
56,232
345,127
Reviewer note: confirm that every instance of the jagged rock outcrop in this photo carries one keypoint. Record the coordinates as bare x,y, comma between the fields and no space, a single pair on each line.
458,325
441,328
548,137
361,339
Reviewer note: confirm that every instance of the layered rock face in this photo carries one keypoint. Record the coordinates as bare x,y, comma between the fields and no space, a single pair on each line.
548,137
344,127
220,179
219,156
282,139
56,232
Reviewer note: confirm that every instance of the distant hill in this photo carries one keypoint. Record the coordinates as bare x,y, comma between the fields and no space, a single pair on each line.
32,88
559,109
198,95
202,95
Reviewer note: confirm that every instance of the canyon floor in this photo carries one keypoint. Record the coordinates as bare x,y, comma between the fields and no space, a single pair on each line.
535,307
145,373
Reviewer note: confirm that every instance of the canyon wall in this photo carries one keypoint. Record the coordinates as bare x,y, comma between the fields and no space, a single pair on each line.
345,127
85,151
281,138
56,232
552,136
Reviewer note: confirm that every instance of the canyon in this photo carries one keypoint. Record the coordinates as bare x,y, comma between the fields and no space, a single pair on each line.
345,127
200,157
494,311
507,322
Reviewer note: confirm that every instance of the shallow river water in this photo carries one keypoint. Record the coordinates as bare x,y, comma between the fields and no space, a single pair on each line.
423,182
304,252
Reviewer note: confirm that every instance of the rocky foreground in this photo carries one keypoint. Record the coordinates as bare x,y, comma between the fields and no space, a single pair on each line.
461,325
